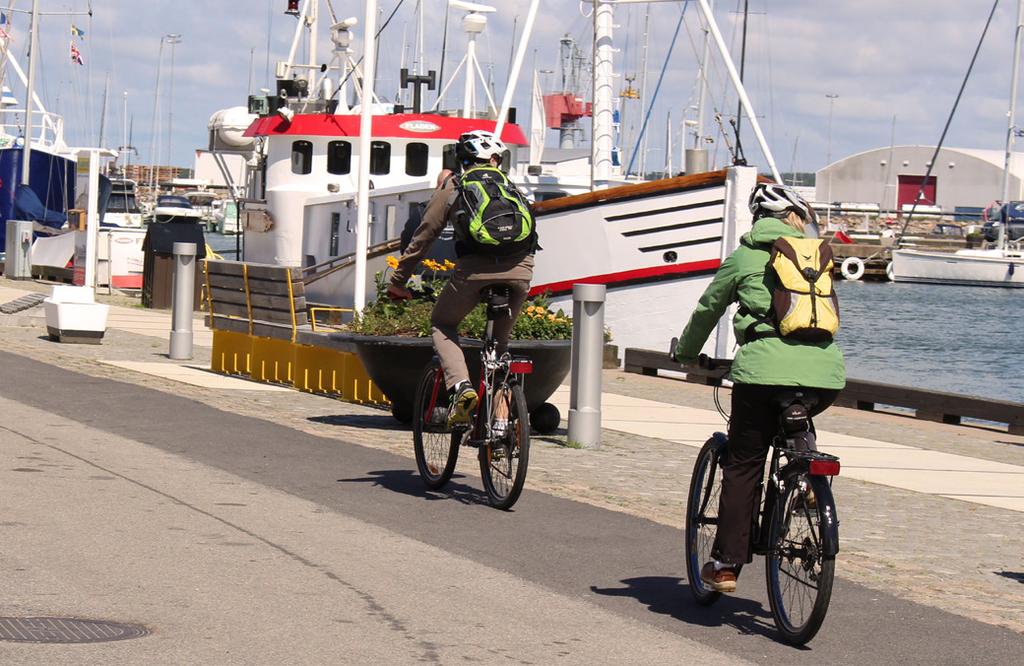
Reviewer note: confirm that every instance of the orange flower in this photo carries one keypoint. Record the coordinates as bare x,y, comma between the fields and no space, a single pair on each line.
392,262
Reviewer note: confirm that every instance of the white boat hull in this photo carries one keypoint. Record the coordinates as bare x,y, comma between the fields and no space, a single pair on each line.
979,268
656,247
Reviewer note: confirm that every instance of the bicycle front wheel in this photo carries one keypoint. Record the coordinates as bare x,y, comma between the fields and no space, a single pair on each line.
800,568
504,458
702,517
436,446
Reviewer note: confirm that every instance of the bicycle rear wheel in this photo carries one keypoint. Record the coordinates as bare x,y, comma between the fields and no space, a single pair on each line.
503,461
702,517
799,567
436,446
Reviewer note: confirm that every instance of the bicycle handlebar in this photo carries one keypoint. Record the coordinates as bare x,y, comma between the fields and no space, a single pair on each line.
704,361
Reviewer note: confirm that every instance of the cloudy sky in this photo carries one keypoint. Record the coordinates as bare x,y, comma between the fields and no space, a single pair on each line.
883,59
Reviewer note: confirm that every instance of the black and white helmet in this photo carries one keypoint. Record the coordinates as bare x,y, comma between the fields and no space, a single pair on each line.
479,146
773,200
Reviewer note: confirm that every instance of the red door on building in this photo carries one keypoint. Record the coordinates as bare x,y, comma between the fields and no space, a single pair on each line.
910,186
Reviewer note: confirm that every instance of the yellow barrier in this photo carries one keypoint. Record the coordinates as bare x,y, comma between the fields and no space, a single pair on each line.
308,368
232,353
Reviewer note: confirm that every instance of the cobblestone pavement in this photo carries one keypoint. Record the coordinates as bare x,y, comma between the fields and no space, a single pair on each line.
964,558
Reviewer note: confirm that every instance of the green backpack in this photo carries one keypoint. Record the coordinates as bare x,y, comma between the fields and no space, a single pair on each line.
490,215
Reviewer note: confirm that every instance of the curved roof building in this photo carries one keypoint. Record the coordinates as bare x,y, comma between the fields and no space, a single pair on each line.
891,177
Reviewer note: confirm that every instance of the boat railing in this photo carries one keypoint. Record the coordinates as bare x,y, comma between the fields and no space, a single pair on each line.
45,128
311,274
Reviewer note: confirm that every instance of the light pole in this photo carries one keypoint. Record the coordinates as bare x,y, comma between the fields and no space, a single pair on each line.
828,157
172,39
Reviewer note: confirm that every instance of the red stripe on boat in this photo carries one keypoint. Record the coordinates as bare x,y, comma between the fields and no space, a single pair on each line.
634,276
392,126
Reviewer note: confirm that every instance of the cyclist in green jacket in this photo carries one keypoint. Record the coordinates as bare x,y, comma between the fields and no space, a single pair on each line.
765,366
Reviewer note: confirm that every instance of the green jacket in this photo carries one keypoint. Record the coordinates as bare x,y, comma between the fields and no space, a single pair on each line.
771,360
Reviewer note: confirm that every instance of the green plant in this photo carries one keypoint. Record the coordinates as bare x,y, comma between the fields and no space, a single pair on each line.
411,318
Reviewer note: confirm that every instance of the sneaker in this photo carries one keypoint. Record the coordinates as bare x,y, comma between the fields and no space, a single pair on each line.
722,580
464,401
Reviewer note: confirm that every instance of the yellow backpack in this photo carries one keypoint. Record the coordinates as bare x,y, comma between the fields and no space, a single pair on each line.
804,303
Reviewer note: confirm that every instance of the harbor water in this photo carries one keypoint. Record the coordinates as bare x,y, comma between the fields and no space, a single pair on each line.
964,340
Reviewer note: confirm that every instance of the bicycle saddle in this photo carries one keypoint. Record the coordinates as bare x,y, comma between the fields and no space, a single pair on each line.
498,298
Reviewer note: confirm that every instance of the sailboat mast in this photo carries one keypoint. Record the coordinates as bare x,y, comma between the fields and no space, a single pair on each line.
27,134
1011,117
643,92
602,114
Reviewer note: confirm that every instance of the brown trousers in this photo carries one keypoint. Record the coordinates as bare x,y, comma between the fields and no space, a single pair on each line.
461,295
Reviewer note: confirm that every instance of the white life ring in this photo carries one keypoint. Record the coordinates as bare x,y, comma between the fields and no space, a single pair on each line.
888,272
852,268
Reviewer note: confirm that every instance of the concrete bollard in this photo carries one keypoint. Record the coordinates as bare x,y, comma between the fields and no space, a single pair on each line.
587,354
183,291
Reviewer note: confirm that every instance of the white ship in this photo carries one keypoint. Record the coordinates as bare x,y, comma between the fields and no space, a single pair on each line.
655,245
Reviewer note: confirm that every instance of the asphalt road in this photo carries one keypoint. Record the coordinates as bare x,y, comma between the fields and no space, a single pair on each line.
611,561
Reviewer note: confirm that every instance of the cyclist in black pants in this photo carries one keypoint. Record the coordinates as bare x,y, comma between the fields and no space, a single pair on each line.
766,367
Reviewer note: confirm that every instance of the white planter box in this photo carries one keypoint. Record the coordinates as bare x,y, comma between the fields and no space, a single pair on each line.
72,315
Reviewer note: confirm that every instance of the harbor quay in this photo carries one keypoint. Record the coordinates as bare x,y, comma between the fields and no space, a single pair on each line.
234,522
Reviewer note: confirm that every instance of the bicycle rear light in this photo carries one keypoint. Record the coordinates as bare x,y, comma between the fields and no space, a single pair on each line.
824,468
520,366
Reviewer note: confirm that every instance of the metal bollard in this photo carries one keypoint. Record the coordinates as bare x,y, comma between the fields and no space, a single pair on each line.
183,290
587,354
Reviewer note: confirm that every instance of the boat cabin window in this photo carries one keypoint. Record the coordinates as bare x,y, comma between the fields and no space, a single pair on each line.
122,202
551,194
302,157
339,157
448,159
416,159
380,158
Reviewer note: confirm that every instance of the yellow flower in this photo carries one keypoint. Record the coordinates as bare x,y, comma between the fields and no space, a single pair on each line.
530,310
392,262
449,264
551,317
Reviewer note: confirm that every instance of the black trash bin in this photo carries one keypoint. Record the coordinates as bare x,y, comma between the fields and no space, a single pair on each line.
158,262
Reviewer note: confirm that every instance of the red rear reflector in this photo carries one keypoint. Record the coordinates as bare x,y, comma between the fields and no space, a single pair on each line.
520,367
824,468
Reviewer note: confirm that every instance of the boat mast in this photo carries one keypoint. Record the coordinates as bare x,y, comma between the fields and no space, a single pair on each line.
1011,120
643,93
27,133
365,138
602,112
716,34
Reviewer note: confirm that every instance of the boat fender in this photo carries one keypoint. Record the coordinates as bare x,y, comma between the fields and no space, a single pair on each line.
852,268
1011,269
888,272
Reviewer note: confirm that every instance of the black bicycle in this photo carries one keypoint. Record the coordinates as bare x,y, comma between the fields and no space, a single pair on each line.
796,528
499,428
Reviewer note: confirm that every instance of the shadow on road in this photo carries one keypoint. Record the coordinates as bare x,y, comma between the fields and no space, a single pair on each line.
1012,575
408,482
376,421
670,596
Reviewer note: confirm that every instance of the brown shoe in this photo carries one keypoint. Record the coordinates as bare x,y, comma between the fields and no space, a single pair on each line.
723,580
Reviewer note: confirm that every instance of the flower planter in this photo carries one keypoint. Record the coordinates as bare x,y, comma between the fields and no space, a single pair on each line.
395,364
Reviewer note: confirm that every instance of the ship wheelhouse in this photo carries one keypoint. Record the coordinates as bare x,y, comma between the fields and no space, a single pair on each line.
311,178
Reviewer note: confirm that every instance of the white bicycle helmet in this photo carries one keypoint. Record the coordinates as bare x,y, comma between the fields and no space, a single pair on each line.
480,146
771,199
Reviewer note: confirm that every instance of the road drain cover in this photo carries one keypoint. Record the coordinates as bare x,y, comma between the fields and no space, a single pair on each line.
66,630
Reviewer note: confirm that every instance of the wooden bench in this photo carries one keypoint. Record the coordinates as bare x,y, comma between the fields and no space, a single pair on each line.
861,394
257,299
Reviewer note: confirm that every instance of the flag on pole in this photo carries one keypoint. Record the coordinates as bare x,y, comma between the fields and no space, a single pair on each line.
76,31
76,55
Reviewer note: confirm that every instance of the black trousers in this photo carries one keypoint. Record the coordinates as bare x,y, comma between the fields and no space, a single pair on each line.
752,426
